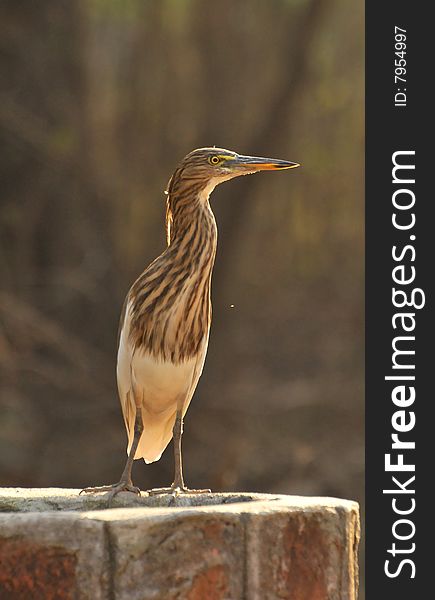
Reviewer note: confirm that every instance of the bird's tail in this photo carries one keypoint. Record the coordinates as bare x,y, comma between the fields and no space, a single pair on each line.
156,435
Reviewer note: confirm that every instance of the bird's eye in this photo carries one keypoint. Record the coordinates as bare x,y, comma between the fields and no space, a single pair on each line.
214,160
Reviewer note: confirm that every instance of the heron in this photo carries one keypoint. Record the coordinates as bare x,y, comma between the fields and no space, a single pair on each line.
165,321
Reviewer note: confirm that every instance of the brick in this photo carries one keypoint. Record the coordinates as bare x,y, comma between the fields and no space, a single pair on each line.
303,554
180,554
52,557
29,570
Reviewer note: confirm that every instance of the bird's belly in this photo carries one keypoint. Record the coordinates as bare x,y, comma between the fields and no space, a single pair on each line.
159,384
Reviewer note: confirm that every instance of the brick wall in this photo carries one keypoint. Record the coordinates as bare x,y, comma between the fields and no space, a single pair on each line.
55,544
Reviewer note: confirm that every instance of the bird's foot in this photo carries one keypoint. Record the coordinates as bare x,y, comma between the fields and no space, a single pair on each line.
114,489
176,490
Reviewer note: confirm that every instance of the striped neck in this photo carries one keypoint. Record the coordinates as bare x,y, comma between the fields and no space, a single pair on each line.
185,205
191,231
171,304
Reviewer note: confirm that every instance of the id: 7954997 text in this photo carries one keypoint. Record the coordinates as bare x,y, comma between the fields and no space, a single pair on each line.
400,97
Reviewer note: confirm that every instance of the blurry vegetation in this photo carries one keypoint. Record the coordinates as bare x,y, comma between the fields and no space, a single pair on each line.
99,99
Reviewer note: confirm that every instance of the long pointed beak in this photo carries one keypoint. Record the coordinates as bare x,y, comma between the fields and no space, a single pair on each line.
252,164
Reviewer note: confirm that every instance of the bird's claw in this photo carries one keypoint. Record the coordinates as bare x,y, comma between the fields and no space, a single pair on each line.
176,490
114,489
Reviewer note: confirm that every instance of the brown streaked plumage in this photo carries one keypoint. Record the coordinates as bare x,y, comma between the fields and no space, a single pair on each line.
165,321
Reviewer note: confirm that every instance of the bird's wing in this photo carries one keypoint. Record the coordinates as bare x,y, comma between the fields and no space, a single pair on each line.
123,370
196,373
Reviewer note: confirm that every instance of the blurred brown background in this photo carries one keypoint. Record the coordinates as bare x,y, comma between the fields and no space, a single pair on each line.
99,100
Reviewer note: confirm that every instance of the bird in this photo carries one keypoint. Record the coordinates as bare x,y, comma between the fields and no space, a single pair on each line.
165,320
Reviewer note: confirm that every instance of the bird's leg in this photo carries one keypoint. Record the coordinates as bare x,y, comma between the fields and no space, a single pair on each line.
178,486
125,484
177,432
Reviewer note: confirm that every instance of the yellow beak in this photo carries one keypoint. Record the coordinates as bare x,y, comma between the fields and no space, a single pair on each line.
258,163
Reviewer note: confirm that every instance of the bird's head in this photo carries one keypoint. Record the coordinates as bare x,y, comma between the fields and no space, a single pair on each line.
205,168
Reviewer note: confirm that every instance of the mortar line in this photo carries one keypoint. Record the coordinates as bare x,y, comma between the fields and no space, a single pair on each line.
110,550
